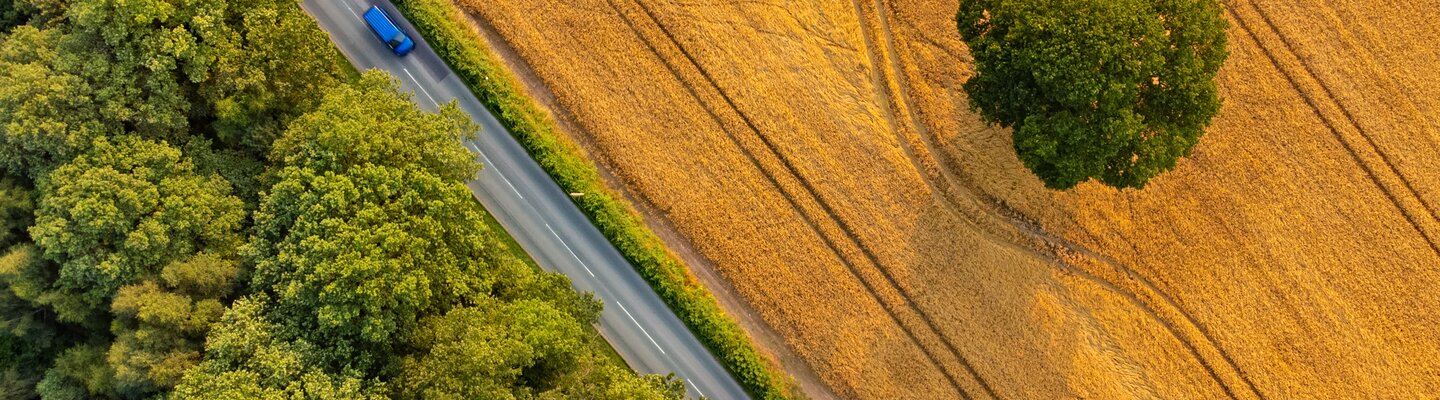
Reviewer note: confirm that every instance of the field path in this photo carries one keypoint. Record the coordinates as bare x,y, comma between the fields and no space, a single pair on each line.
1139,291
1318,95
904,313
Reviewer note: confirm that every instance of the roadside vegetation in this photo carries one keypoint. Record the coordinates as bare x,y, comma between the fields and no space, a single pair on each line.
226,210
443,26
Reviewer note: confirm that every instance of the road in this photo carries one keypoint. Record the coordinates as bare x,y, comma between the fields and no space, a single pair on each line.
540,216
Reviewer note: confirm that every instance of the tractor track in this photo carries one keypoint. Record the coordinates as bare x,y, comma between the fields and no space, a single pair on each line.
794,201
1052,244
1315,107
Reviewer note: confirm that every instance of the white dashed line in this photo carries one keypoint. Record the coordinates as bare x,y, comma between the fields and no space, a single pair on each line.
697,389
567,248
422,87
642,329
497,172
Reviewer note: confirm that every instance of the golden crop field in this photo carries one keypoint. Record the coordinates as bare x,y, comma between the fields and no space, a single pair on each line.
881,242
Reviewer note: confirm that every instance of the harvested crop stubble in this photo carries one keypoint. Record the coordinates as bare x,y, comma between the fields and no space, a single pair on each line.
821,155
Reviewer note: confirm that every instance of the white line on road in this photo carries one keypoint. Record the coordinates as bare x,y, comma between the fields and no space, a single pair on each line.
352,12
642,329
472,146
697,388
497,172
422,87
567,248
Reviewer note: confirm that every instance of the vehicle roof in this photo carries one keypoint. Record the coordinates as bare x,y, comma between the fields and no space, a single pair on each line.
380,22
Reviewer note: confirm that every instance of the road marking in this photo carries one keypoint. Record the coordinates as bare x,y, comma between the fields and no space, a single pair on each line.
497,172
642,330
482,154
567,248
352,12
422,87
697,388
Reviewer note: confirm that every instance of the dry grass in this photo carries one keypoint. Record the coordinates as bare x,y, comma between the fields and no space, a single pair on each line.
821,156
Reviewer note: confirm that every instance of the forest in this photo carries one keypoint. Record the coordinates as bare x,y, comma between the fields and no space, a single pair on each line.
202,200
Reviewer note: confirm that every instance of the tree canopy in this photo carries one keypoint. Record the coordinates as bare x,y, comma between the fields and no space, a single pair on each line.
1114,90
125,208
200,205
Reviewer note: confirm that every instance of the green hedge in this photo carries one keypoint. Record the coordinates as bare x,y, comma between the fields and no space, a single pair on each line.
443,26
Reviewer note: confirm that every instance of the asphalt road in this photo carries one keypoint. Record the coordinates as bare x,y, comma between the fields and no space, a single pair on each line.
536,212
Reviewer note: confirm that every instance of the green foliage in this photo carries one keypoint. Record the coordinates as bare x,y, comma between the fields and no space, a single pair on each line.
28,337
486,351
151,68
519,350
372,122
443,26
355,259
80,372
17,211
605,381
271,70
12,13
368,226
159,327
241,169
30,302
46,113
1114,90
119,212
245,358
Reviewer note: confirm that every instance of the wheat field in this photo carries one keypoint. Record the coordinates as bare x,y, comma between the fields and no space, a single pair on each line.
820,157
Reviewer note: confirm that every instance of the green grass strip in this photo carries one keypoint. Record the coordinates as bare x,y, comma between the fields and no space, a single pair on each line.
444,27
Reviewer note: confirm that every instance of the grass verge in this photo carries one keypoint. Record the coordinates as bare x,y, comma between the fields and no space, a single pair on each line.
443,26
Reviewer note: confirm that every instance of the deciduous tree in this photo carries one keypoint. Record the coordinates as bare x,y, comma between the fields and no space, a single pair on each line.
372,122
247,358
46,113
1114,90
127,207
160,324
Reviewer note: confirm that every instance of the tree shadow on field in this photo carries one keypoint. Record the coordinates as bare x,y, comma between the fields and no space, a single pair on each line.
1029,329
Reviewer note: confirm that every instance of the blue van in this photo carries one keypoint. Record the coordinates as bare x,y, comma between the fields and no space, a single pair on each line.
386,30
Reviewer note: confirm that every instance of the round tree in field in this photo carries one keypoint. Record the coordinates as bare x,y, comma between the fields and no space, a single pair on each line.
1115,90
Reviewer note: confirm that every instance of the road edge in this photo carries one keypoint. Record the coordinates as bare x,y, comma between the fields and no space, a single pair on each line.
439,22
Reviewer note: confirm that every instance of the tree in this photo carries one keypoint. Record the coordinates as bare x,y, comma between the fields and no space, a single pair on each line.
28,335
17,211
275,73
247,357
80,372
517,350
13,12
367,227
160,324
46,115
599,380
488,351
127,207
355,260
372,122
1114,90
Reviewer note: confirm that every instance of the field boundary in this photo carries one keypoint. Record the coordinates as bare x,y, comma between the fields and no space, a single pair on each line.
440,21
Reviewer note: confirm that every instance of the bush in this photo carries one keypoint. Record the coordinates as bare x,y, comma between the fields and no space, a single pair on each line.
443,25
